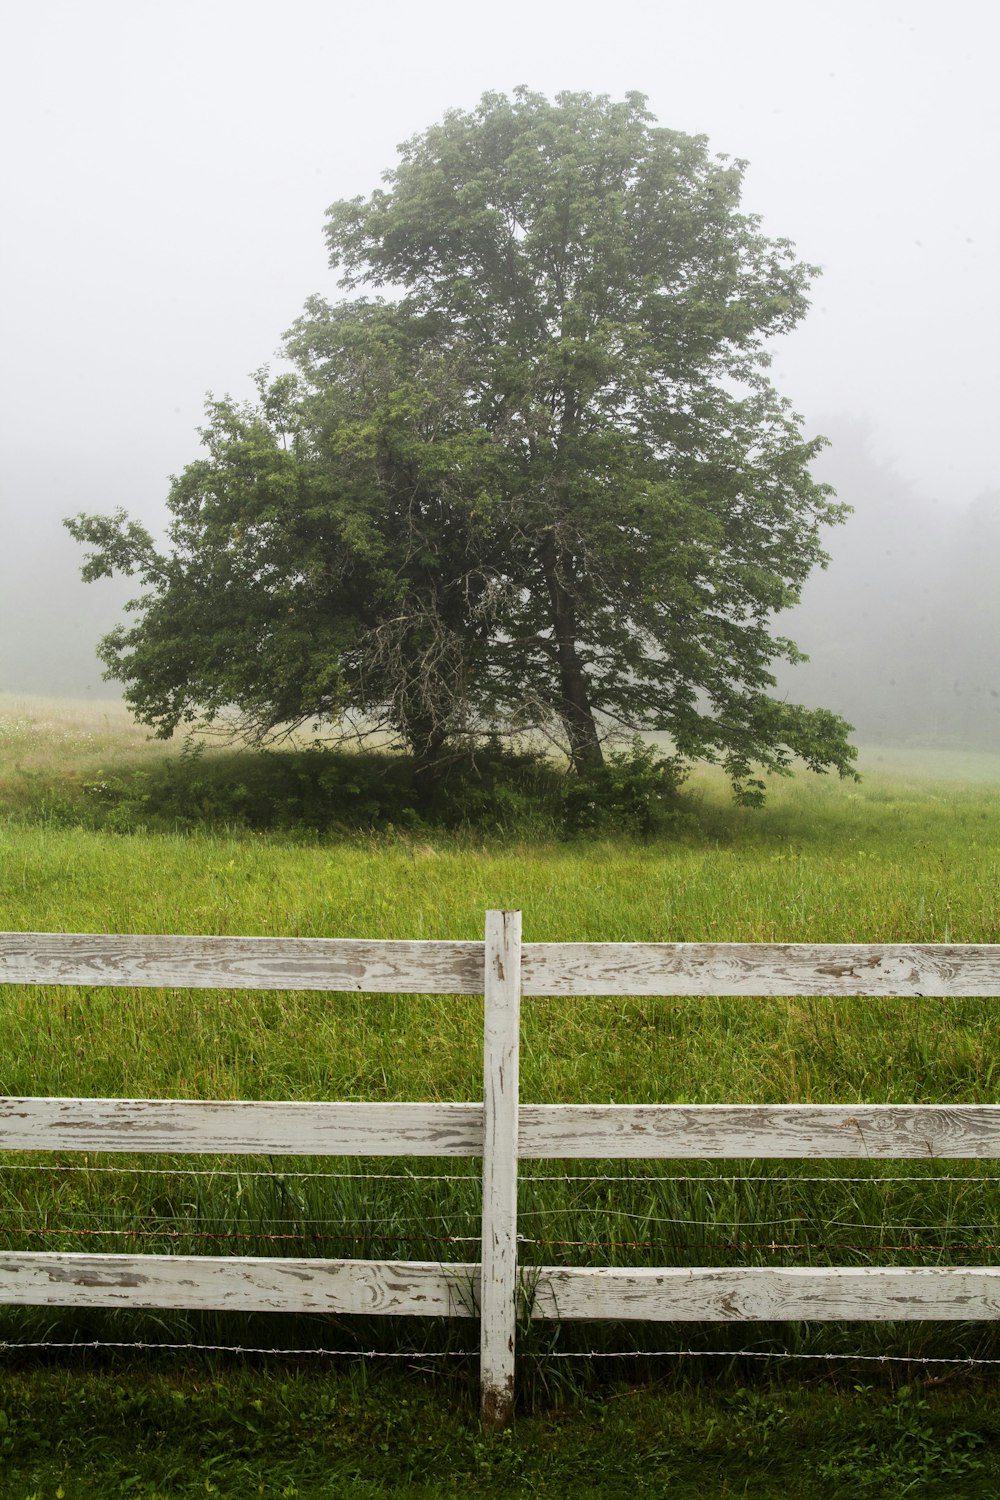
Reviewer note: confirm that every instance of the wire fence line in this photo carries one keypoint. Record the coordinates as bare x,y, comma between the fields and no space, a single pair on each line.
789,1354
473,1177
140,1346
418,1357
322,1231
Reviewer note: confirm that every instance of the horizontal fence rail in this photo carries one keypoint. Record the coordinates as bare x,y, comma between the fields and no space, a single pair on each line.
771,969
231,1127
580,1132
764,1294
449,968
546,1294
241,963
239,1284
501,1131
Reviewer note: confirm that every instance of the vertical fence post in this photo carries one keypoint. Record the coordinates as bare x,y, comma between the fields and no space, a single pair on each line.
498,1281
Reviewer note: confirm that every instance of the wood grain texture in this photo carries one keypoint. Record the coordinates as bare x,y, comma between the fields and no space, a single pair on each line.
765,1294
233,1127
245,1284
501,1047
416,1288
261,963
644,969
745,1131
760,969
568,1131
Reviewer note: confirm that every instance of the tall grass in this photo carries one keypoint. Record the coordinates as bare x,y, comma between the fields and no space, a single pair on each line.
912,854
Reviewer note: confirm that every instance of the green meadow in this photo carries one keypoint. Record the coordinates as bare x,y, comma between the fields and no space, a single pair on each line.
911,853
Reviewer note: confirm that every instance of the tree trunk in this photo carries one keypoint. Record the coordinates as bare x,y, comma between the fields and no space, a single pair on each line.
427,742
573,705
427,745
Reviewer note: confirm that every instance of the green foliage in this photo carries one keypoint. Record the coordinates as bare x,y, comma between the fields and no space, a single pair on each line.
303,791
496,790
549,485
633,794
918,1453
91,1428
312,791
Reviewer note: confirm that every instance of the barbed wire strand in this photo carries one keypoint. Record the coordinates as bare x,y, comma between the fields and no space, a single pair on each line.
626,1179
273,1175
7,1345
918,1179
879,1359
969,1361
251,1233
689,1223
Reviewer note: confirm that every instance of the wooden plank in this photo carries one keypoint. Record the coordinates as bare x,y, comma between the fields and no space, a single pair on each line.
261,963
848,1131
502,1027
348,1287
244,1284
648,969
766,1293
921,1132
234,1127
645,969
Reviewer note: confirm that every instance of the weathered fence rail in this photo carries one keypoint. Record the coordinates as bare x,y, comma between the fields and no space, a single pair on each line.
501,1131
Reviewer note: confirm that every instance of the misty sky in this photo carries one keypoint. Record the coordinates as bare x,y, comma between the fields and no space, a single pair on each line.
166,171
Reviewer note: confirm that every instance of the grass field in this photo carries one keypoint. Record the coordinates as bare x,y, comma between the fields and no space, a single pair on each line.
912,853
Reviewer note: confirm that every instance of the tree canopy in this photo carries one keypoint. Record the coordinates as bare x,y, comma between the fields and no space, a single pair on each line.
528,474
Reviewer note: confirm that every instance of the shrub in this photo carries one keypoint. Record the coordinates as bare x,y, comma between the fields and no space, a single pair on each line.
635,792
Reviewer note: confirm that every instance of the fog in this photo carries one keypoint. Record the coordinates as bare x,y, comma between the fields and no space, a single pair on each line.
164,184
902,629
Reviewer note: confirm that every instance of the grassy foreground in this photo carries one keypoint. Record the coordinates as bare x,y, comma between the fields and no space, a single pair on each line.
910,854
67,1436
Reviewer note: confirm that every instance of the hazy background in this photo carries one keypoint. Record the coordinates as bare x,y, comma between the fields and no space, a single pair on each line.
166,171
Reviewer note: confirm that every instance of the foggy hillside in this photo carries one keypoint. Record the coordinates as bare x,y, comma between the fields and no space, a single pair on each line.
903,628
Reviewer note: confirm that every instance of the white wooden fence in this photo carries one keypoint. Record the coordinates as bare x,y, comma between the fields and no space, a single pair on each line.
501,1131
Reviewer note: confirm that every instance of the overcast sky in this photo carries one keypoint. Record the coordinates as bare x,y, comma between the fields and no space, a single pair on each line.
166,171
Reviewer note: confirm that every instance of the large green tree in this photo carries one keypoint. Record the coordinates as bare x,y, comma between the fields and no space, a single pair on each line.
530,473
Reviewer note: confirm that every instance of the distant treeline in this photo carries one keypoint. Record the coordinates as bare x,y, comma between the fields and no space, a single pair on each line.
903,629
